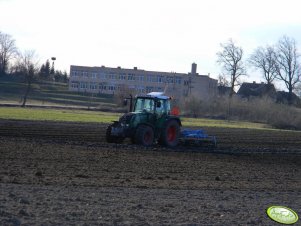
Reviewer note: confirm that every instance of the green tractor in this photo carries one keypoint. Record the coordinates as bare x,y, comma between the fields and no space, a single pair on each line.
149,122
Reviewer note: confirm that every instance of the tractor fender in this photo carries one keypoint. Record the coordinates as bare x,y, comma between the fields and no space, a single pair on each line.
146,124
173,118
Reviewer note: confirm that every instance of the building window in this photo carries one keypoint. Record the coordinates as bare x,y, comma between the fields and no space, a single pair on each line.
84,85
110,75
74,73
101,75
131,77
93,86
111,87
154,78
159,79
74,85
122,76
178,80
140,89
169,79
140,78
149,89
149,78
100,86
93,75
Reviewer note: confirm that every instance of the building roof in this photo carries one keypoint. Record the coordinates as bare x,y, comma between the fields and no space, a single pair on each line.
283,97
120,69
256,89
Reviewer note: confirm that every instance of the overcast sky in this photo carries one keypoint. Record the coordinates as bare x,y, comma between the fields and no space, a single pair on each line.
160,35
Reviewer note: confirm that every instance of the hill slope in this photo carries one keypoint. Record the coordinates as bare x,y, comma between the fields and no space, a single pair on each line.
44,93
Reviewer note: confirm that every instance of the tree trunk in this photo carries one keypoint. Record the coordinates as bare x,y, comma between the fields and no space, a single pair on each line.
232,87
290,94
26,93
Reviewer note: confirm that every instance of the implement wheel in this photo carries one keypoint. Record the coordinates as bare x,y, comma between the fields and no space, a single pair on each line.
170,134
144,135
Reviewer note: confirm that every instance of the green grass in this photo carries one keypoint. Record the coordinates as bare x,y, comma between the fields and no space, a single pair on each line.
105,117
56,115
222,123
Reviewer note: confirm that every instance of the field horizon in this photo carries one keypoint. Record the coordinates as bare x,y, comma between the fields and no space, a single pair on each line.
90,116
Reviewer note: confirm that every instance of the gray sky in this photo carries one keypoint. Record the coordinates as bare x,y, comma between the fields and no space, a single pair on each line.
161,35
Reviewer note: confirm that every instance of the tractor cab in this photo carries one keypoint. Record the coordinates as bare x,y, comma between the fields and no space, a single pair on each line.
154,102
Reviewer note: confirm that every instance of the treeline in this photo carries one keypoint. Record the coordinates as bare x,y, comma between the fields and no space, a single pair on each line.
49,73
25,63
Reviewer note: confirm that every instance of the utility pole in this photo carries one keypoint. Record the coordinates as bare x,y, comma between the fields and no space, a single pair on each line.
52,67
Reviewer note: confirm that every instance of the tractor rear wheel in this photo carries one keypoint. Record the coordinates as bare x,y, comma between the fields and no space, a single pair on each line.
170,134
144,135
112,139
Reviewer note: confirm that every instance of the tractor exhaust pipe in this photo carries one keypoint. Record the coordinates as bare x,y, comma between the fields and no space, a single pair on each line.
125,102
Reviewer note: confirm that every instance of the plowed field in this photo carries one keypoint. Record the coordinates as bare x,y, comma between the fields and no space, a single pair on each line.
55,173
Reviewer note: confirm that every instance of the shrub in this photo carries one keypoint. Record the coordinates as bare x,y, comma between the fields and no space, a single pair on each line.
263,110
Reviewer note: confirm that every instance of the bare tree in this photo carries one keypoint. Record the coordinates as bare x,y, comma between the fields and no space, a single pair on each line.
123,92
8,50
222,81
29,68
192,106
230,57
288,67
298,89
264,59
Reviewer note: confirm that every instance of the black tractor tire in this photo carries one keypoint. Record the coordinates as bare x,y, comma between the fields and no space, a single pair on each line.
109,138
133,139
170,134
112,139
144,135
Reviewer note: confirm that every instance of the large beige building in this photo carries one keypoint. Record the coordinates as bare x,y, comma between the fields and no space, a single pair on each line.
113,80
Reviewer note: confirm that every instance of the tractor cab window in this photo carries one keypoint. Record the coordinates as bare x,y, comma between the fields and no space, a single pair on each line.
163,107
144,104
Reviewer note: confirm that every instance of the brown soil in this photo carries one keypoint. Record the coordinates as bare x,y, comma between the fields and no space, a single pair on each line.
65,174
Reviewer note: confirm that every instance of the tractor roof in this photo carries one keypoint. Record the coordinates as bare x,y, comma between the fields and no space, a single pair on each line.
159,95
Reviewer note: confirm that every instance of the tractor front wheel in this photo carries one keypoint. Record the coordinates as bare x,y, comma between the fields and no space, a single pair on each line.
170,134
144,135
